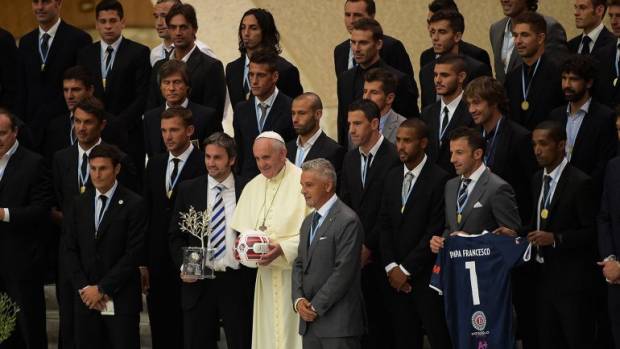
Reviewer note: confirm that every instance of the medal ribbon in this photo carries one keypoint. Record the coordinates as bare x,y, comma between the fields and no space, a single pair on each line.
525,90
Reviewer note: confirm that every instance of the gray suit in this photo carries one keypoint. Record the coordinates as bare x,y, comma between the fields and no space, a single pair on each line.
555,45
393,120
327,273
491,204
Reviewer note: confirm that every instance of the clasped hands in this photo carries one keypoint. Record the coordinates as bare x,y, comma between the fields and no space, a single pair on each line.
92,298
399,280
305,310
611,271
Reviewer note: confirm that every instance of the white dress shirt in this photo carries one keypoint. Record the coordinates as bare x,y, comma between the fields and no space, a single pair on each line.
593,36
303,150
158,52
230,202
555,178
451,110
104,55
183,159
109,194
51,32
475,176
269,101
81,153
573,124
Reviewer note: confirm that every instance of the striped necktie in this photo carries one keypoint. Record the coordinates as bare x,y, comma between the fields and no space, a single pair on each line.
218,224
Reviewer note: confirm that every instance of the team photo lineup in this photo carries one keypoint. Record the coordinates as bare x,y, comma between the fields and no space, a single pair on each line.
164,194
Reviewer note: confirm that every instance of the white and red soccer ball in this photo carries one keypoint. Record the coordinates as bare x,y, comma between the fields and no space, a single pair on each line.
250,246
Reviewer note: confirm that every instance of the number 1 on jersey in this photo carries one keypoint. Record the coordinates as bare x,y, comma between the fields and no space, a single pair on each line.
473,278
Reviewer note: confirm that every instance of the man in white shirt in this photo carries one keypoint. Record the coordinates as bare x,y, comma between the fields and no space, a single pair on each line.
589,15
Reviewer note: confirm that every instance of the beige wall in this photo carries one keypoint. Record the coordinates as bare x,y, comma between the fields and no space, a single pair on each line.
311,29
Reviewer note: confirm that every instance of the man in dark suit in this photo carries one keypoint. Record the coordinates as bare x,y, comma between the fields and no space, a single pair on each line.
121,71
366,43
311,142
589,15
230,295
362,178
606,88
608,240
449,113
70,179
534,89
102,245
9,61
393,51
268,110
206,73
257,31
564,237
446,29
326,273
506,58
164,172
412,212
25,201
45,54
380,87
175,86
591,140
467,49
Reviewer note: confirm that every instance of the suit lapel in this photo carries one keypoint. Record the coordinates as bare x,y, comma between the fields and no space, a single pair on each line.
475,196
116,202
273,114
73,167
499,38
584,131
376,163
557,194
316,149
323,229
390,125
11,167
119,59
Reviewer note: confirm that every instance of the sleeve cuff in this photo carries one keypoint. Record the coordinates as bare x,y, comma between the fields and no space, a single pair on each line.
404,270
295,305
390,267
7,216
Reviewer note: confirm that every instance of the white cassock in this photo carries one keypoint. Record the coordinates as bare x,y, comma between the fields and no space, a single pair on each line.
279,202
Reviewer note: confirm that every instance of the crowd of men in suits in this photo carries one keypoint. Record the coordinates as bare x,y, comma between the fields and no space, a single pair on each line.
86,126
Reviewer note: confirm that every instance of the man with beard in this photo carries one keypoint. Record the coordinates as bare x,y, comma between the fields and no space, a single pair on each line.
311,142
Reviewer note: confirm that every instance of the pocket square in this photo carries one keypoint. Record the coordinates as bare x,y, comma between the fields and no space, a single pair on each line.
322,238
478,205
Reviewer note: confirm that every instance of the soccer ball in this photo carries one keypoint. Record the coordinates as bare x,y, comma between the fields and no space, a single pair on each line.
250,246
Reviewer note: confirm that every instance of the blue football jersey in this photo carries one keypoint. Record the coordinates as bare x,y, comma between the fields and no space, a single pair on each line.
472,272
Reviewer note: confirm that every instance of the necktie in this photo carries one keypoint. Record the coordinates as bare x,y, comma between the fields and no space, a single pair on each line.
367,161
546,189
83,169
174,173
108,58
406,187
263,116
218,225
104,200
299,159
315,223
585,45
445,121
45,45
246,86
72,136
167,54
462,197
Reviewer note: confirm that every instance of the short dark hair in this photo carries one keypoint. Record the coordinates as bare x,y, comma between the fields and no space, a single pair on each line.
473,136
371,8
183,113
532,5
267,57
185,10
420,127
536,21
581,65
442,5
557,131
104,150
174,66
223,140
109,5
597,3
366,106
266,22
456,20
79,73
13,119
388,80
456,61
317,104
369,24
488,89
93,106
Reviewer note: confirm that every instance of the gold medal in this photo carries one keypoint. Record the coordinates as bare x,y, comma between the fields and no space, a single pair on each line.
43,67
82,189
262,228
615,82
103,81
544,213
402,209
459,218
169,194
525,105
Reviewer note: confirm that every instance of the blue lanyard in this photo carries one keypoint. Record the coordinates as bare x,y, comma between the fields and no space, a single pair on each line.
525,90
491,149
176,179
44,58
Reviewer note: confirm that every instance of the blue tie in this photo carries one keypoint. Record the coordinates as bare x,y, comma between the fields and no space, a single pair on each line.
315,223
218,224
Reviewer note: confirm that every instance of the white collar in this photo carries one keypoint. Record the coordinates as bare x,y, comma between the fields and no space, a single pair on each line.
452,105
557,171
310,142
324,210
477,173
228,183
584,108
11,150
87,151
595,32
184,104
269,101
115,45
374,149
246,61
108,193
416,170
183,157
186,57
51,32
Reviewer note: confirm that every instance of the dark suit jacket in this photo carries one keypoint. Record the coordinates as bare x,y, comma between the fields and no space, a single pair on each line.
41,96
440,154
604,90
8,70
475,69
465,48
65,175
393,53
405,233
366,201
351,88
609,215
207,80
194,193
605,38
127,83
596,141
323,147
288,80
545,94
513,160
568,266
205,124
246,130
25,190
157,252
110,257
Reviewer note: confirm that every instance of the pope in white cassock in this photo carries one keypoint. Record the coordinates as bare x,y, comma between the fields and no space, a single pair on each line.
272,202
